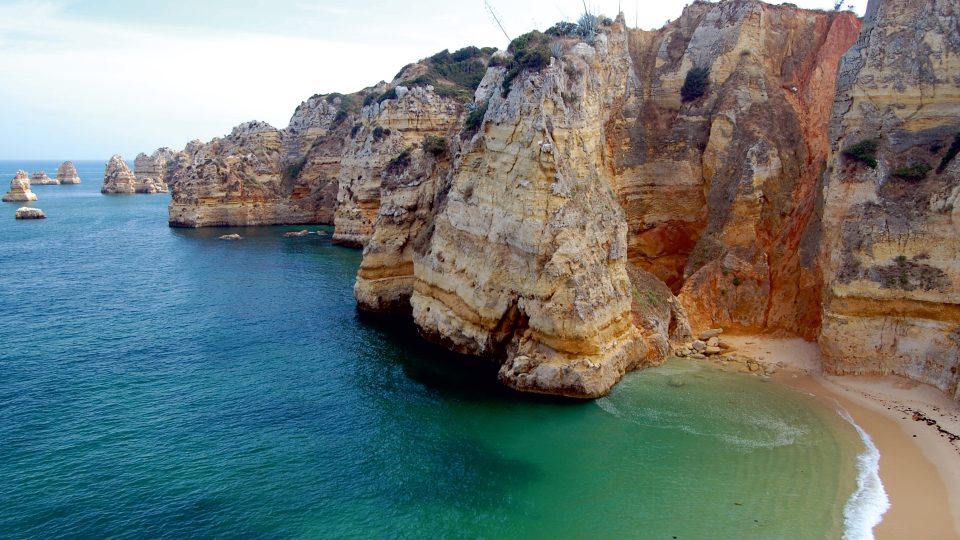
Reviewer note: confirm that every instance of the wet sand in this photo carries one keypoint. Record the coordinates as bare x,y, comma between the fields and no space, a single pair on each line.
919,463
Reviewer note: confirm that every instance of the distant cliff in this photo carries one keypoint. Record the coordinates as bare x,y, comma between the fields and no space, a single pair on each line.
542,206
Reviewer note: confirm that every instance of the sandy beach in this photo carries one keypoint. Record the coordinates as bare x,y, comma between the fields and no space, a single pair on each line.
911,424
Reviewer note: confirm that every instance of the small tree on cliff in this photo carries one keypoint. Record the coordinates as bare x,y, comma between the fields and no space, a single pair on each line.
695,85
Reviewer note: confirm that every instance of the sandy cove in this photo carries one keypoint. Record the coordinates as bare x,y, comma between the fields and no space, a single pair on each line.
910,423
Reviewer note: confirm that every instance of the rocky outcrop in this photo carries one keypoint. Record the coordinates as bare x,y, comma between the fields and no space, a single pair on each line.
30,213
67,173
20,189
118,178
259,175
891,199
40,178
151,171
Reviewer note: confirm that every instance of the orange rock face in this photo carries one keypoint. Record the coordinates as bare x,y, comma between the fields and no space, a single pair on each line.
719,189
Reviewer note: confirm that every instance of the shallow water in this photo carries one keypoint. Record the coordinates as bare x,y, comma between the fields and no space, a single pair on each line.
158,381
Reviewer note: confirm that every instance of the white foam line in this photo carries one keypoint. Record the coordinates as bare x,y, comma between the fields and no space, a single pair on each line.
865,508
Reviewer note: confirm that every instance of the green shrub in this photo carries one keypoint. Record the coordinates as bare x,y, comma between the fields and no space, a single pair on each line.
475,118
399,163
379,133
951,153
294,169
562,29
695,84
369,99
340,117
916,171
389,94
531,52
864,151
355,130
435,146
466,53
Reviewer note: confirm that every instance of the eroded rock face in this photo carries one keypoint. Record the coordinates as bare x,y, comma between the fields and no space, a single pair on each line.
384,130
118,178
40,178
718,190
527,261
20,189
891,199
152,171
67,173
259,175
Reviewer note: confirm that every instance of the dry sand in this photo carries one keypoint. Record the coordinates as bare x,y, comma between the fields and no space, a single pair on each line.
919,463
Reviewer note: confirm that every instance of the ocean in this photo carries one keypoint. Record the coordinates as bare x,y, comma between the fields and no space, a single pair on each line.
162,382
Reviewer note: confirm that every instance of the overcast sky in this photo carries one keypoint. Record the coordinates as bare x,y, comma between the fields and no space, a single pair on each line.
87,79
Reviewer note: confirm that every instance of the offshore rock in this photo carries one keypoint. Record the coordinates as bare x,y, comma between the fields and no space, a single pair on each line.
891,199
40,178
30,213
20,189
118,178
67,173
151,171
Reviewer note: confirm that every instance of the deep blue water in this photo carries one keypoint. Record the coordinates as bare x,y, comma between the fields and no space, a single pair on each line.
162,382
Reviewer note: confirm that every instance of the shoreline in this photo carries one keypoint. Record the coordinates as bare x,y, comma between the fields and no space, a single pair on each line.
919,464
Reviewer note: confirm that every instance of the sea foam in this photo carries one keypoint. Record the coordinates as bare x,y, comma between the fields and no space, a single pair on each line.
865,508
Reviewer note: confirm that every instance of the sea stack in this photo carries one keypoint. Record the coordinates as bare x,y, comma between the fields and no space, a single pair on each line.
118,178
67,174
40,178
149,171
20,189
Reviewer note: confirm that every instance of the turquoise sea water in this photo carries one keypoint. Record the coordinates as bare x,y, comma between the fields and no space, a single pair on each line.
161,382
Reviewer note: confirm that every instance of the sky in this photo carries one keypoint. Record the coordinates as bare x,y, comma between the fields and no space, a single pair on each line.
85,79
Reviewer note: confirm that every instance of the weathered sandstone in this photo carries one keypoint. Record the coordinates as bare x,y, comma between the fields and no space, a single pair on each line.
151,171
259,175
20,189
118,178
891,214
40,178
67,173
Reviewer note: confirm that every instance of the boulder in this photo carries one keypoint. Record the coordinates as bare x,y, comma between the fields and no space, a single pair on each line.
20,189
30,213
231,237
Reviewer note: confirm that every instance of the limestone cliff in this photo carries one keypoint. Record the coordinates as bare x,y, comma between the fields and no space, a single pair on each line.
20,189
118,178
718,185
150,172
891,198
259,175
67,173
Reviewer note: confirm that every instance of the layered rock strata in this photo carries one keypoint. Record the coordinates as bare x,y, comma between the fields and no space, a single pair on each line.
118,178
259,175
891,199
718,188
20,189
40,178
151,171
67,173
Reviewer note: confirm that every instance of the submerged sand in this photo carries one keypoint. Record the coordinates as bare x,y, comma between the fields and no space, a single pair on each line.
910,423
